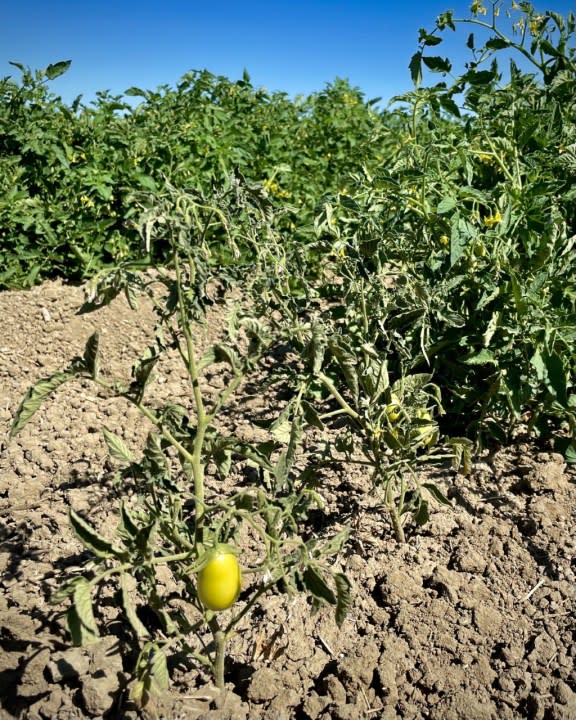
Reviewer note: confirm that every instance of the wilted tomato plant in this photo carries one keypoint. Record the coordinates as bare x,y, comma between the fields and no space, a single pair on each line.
222,551
331,314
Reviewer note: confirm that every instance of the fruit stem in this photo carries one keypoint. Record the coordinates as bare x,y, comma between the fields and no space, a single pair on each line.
220,644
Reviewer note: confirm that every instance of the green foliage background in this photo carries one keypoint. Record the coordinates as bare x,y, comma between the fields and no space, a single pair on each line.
68,173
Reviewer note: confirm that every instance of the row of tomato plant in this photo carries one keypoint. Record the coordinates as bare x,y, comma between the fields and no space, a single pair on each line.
424,286
68,171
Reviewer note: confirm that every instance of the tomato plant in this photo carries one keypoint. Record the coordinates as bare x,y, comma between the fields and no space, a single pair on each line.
194,546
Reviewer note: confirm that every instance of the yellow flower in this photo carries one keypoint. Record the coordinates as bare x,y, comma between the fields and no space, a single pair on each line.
338,250
444,240
274,189
492,220
86,201
477,8
487,158
535,24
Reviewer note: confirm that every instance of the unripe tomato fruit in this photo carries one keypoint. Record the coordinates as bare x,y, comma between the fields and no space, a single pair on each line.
393,408
219,580
427,434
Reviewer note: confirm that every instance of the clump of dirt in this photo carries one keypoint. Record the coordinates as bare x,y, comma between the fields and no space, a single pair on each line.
472,618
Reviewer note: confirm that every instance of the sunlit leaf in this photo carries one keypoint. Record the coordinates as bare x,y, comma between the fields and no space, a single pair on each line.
81,620
436,493
35,397
92,539
130,610
445,205
56,69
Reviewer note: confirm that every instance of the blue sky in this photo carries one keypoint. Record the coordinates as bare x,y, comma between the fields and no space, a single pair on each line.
295,47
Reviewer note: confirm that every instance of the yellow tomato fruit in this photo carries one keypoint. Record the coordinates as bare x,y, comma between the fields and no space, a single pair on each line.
220,580
427,434
393,408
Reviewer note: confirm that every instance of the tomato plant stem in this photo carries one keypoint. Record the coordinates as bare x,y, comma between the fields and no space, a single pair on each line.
329,385
220,652
201,415
397,524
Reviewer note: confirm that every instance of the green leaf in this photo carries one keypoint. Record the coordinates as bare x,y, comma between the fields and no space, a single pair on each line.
136,92
550,371
317,586
343,597
549,49
497,43
349,365
282,426
445,20
316,349
57,69
437,64
410,384
117,447
142,372
483,357
154,453
226,354
449,105
147,182
159,669
105,191
415,67
479,77
128,528
91,539
91,355
436,493
207,359
281,471
446,204
462,449
81,620
18,65
137,625
65,590
35,397
258,455
311,417
131,295
222,457
428,39
570,453
422,514
458,239
336,543
151,675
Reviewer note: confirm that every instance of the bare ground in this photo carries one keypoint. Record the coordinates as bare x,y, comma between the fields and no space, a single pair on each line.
472,619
